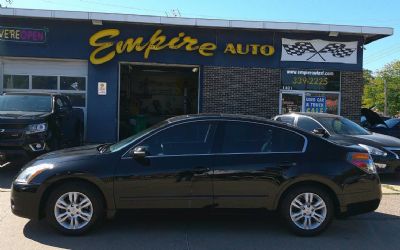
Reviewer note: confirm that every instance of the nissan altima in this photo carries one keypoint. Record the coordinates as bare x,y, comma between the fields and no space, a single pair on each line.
201,161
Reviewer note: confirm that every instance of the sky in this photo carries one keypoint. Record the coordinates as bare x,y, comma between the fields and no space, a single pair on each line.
381,13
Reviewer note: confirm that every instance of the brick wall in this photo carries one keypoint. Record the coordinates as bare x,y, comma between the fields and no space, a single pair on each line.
255,91
352,90
251,91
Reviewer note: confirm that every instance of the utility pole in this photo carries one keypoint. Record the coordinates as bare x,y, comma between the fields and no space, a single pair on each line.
385,96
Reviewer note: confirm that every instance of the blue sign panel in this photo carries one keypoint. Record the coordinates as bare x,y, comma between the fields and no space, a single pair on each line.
315,104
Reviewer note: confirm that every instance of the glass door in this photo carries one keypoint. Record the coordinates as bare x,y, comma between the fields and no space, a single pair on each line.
291,102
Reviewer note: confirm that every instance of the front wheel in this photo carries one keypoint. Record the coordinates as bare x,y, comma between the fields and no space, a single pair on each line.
74,208
307,210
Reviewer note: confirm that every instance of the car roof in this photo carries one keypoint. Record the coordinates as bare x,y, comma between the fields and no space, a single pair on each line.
236,117
32,93
311,114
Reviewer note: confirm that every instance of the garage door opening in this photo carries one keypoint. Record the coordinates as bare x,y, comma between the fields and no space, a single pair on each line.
150,94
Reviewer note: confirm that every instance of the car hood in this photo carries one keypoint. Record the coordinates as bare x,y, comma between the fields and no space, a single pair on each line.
373,139
372,118
21,116
70,154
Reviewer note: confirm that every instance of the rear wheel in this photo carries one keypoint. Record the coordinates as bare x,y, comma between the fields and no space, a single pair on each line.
307,210
74,208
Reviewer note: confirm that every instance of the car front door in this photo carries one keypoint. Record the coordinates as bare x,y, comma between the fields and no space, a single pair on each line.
251,162
176,173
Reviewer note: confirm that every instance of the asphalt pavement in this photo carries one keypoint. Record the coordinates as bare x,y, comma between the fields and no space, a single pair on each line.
189,230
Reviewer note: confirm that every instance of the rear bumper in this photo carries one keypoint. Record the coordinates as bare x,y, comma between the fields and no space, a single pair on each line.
364,197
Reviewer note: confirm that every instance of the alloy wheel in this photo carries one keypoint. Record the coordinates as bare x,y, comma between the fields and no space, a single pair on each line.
73,210
308,211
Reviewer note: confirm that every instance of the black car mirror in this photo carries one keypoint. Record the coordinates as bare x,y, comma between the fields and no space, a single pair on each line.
139,152
320,132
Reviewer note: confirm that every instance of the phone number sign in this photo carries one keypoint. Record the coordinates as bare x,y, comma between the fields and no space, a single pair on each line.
300,79
315,104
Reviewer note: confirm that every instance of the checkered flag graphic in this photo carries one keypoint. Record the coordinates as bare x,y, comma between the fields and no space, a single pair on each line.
337,50
299,48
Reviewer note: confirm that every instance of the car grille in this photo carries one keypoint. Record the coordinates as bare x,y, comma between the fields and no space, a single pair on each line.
10,135
12,126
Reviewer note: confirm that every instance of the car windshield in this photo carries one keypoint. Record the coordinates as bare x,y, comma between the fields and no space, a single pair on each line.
123,143
342,126
26,103
392,122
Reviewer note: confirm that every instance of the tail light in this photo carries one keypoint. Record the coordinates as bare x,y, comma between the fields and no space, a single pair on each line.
363,161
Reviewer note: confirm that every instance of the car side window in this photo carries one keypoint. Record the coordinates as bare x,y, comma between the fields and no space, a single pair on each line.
188,138
307,124
245,137
286,119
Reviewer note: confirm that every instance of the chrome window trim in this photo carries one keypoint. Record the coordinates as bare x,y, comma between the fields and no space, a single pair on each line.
141,139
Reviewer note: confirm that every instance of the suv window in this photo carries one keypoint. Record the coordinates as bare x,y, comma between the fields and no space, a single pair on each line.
286,119
188,138
307,124
245,137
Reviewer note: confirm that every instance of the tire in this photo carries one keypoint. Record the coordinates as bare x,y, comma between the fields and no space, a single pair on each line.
309,219
74,219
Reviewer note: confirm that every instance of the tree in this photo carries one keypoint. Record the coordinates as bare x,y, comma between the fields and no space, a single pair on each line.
374,88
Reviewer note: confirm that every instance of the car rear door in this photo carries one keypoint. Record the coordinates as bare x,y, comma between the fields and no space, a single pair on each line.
176,174
251,161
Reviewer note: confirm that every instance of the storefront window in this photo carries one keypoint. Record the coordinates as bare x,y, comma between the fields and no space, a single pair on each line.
16,81
44,82
72,83
77,100
322,102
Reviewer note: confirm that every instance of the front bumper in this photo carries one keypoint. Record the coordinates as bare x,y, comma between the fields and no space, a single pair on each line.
25,200
22,150
389,164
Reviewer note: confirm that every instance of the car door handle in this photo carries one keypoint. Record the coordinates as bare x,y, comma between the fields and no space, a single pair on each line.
287,164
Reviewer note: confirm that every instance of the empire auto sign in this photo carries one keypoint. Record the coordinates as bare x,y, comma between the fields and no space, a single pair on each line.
107,45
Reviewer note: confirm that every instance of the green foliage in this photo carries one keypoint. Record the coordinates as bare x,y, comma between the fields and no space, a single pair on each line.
374,88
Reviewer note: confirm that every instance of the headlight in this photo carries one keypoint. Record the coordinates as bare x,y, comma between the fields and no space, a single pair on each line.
36,128
26,176
373,151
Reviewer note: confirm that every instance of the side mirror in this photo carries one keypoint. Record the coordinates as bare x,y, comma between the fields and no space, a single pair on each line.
139,152
320,132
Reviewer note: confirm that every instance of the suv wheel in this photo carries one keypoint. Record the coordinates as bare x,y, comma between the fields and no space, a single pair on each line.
307,210
73,208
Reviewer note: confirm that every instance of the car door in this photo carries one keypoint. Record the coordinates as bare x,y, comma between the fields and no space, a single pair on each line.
252,160
176,173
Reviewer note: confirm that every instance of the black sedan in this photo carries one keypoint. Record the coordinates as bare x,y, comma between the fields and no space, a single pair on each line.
201,161
375,123
384,149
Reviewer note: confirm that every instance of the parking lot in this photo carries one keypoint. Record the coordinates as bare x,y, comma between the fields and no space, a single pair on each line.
379,229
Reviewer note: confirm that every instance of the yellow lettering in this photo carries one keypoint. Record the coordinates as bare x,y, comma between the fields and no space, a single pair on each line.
230,48
172,43
206,49
267,50
93,41
12,34
239,49
155,43
191,42
17,34
254,48
6,32
129,45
